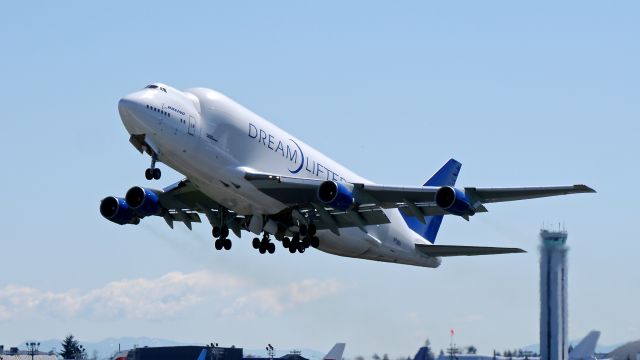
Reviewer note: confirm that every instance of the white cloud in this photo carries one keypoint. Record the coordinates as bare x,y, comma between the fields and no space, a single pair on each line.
156,298
163,297
277,300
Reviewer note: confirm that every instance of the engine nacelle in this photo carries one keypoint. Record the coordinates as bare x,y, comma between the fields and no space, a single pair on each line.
143,201
454,201
336,195
117,210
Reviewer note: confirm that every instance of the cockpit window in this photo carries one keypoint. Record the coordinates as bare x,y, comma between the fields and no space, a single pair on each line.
155,87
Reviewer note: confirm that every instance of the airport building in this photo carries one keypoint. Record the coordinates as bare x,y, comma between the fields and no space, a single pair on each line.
184,353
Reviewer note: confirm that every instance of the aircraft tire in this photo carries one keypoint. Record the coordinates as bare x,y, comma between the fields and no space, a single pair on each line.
271,248
315,242
286,242
157,173
148,174
256,243
227,244
224,231
215,231
262,250
312,230
218,244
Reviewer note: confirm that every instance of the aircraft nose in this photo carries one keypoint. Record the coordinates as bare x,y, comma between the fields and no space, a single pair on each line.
130,109
128,103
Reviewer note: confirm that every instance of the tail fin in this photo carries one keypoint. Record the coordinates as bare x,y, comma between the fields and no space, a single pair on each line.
446,176
423,353
335,353
586,348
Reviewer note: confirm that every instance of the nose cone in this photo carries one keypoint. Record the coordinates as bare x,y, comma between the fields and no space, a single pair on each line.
127,104
130,109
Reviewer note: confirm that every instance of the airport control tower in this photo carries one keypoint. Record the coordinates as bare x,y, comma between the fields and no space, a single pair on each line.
553,295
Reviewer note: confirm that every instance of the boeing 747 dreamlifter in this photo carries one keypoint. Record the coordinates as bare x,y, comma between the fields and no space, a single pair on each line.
244,173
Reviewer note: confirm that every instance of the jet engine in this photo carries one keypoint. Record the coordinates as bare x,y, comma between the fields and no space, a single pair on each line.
144,202
454,201
336,195
117,210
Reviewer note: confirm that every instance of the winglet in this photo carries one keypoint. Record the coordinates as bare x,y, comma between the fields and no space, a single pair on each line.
583,188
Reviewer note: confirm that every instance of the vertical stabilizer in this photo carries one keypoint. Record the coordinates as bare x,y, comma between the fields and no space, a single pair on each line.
586,348
446,176
336,352
422,354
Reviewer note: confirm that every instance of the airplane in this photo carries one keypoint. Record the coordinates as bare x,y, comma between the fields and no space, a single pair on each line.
336,352
586,348
243,173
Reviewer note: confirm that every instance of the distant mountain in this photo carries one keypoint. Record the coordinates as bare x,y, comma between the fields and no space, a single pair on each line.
106,348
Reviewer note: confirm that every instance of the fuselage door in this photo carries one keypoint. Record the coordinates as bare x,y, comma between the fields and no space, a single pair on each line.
192,126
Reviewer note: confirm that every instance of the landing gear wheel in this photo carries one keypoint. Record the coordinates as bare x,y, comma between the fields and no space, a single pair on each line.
271,248
218,244
301,250
224,231
312,230
305,243
286,242
262,249
303,230
256,243
156,173
226,244
292,249
315,241
215,232
148,174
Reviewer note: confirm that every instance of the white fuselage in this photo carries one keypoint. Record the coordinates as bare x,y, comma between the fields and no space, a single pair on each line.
214,141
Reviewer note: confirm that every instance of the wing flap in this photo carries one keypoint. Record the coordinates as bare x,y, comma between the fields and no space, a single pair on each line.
454,250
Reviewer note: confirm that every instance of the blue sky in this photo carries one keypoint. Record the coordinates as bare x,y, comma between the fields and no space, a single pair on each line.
538,93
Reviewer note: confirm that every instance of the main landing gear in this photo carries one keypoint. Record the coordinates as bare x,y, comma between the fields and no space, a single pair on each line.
153,172
301,240
264,245
221,234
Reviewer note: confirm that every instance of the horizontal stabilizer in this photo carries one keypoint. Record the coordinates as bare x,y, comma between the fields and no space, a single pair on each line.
453,250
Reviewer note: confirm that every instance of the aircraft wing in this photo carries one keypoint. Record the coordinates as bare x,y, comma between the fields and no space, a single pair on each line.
453,250
490,195
416,201
183,202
